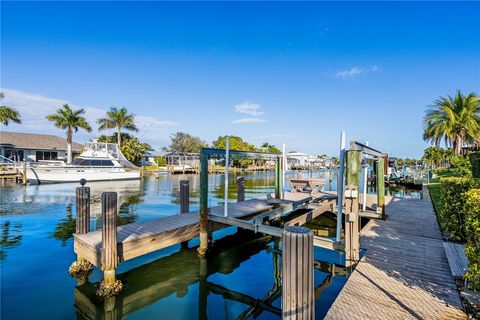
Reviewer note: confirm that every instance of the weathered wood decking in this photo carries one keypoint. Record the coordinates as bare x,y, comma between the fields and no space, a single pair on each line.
140,238
405,273
456,259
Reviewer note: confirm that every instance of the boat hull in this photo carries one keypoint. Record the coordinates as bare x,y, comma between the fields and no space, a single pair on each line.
58,175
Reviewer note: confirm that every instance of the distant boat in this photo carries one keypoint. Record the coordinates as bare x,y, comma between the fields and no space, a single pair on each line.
98,162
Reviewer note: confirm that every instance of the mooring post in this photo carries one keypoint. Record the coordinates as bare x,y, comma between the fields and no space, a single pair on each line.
24,173
381,186
81,268
298,300
202,249
352,217
109,286
83,208
184,201
240,189
277,178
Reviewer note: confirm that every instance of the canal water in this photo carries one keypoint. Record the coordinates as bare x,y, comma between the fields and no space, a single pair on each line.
240,280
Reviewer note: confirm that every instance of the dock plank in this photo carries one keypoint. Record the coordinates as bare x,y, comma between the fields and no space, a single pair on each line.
457,259
405,273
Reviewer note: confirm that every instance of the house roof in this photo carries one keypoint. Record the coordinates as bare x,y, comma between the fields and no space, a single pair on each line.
36,141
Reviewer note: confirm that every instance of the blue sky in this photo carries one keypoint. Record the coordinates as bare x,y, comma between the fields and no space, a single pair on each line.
293,73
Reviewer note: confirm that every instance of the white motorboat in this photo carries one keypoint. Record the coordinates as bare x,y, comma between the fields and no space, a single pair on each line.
98,162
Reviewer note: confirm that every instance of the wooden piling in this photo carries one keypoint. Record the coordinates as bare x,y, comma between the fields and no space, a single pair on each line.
298,301
83,210
202,249
278,176
352,217
81,268
24,173
381,186
240,189
109,237
184,202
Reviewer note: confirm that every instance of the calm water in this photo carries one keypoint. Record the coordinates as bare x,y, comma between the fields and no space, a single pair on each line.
36,250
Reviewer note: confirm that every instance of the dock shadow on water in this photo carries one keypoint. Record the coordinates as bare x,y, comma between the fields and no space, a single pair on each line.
225,285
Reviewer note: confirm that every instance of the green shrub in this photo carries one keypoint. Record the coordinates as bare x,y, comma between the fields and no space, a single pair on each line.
453,194
472,233
160,161
460,166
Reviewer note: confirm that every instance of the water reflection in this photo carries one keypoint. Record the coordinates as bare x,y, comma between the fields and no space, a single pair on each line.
65,228
184,274
10,238
185,277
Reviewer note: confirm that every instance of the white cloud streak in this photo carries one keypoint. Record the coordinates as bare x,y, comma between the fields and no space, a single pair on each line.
355,71
249,108
34,108
249,120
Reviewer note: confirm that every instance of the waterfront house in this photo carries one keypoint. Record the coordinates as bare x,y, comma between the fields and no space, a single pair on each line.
18,146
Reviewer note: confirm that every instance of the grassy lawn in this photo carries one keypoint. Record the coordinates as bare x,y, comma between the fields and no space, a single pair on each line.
434,188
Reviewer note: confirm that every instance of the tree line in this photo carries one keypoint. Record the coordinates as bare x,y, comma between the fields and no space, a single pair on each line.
185,142
73,120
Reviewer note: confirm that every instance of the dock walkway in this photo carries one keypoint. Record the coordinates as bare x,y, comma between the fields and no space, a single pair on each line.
405,272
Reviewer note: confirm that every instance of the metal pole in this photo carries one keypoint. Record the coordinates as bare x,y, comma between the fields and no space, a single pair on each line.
227,156
365,180
340,186
284,168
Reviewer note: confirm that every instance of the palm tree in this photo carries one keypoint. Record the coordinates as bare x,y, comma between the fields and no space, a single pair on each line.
456,120
69,119
120,119
8,114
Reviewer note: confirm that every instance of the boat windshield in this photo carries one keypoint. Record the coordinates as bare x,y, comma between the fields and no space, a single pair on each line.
92,163
110,148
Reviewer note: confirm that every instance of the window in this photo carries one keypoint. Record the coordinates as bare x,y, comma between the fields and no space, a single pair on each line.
46,155
107,163
96,162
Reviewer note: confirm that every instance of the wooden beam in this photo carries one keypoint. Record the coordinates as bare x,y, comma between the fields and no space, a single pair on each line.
273,231
352,218
202,249
315,211
381,186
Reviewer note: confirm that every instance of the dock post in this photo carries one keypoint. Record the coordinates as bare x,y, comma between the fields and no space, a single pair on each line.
277,178
24,173
184,202
381,187
298,300
240,189
352,217
109,286
81,268
202,249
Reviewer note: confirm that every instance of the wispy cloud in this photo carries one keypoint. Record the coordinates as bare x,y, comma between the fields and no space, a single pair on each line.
248,120
33,109
252,109
355,71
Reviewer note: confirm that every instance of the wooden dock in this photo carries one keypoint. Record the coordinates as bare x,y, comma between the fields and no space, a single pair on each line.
405,273
140,238
137,239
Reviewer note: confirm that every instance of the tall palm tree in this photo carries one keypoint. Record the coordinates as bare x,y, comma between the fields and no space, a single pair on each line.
8,114
454,119
72,120
120,119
